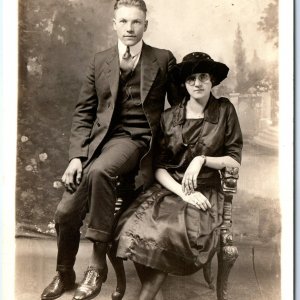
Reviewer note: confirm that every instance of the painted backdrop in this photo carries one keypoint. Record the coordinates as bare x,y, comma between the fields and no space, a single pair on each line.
56,41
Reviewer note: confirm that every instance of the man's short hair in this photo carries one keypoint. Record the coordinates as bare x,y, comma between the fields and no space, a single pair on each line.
137,3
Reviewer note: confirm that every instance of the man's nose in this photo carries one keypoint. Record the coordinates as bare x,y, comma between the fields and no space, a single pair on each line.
129,27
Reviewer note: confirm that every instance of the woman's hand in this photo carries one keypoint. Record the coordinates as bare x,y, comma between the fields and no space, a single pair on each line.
189,181
197,199
72,176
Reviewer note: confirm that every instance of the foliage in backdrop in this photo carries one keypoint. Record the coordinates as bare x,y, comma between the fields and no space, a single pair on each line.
56,40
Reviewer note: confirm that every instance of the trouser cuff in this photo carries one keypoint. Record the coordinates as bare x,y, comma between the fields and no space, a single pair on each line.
95,235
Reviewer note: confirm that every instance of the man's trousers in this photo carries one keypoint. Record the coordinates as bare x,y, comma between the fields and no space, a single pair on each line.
96,194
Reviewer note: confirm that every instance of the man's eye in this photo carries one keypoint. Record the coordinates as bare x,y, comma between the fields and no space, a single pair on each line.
123,21
137,22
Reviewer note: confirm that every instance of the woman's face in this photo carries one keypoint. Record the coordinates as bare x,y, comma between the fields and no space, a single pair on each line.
199,85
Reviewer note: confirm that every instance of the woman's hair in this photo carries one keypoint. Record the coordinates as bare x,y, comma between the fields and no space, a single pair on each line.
137,3
213,79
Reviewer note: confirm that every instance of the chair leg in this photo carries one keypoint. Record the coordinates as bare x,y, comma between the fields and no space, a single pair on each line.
118,266
226,258
208,275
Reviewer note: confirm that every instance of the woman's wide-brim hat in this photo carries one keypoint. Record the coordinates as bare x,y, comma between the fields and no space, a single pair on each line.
199,62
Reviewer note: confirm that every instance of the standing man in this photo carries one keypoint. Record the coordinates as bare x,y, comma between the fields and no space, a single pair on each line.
114,124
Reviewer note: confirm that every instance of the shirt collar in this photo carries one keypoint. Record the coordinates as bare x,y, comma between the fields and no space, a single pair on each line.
134,50
211,111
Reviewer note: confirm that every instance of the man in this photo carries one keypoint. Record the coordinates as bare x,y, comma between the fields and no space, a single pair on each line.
114,124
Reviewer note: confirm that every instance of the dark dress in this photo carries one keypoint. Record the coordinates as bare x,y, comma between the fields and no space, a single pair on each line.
160,230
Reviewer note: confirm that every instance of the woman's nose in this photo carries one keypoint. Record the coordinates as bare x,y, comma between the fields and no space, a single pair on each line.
198,81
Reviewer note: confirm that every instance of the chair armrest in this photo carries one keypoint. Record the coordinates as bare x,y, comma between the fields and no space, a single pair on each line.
229,178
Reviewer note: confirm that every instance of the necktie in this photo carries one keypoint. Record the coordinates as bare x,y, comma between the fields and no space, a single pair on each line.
126,64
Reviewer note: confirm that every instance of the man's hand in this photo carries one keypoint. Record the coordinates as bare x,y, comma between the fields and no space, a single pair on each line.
197,199
189,181
72,176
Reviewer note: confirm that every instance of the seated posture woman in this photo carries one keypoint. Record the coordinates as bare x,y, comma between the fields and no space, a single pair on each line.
173,226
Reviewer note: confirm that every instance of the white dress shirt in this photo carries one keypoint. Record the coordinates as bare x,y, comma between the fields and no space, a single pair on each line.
135,51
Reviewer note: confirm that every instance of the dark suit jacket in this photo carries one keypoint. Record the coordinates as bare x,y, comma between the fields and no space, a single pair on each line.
97,99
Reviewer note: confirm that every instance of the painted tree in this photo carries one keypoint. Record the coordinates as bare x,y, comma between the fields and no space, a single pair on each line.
268,22
257,73
242,83
57,38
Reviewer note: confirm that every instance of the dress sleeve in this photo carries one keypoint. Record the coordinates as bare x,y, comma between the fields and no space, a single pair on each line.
233,142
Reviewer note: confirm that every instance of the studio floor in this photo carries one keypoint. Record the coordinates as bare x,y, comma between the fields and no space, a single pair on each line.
35,268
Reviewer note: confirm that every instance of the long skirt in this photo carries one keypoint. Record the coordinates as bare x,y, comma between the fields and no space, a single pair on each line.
161,231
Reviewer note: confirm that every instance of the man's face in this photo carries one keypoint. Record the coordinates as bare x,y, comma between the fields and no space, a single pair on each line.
130,24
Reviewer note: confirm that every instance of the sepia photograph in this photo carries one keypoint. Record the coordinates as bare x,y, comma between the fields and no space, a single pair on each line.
148,153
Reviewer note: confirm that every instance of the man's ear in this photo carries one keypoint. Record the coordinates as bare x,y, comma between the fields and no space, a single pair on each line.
146,25
114,23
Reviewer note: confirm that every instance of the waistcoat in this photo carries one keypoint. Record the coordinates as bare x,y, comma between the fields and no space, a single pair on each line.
129,117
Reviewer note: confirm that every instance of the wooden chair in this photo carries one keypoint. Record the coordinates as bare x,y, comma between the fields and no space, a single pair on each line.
227,253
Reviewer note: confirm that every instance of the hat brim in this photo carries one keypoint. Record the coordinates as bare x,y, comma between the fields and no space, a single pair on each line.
184,69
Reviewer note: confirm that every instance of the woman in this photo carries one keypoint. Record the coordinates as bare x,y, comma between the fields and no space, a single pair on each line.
173,227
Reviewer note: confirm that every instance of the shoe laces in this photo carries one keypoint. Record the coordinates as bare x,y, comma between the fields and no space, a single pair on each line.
90,275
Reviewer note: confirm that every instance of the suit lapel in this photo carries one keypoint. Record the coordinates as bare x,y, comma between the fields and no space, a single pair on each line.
149,69
113,72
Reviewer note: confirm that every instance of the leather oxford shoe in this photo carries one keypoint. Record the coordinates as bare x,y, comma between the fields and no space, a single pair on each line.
62,282
91,284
